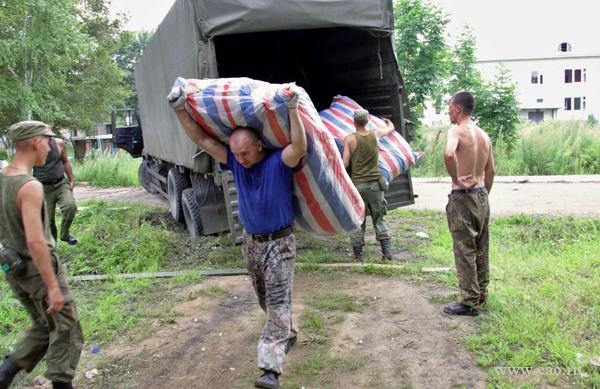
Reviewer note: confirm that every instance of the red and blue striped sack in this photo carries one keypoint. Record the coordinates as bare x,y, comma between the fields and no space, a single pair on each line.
325,200
395,154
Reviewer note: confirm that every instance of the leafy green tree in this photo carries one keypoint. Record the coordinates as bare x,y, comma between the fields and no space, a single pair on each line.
497,107
421,51
127,57
55,63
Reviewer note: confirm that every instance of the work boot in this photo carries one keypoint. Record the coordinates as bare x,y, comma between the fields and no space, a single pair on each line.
290,343
62,385
358,253
462,310
268,380
386,249
70,240
8,371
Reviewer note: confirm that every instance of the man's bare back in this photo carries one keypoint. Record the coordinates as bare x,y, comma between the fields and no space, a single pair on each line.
468,155
472,152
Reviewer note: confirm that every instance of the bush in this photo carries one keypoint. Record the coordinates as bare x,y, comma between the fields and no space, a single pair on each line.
550,148
120,170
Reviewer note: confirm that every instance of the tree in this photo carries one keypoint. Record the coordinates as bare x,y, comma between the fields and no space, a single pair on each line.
127,57
55,63
421,51
497,107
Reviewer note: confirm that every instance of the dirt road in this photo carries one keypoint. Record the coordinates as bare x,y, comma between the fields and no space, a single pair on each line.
534,198
395,337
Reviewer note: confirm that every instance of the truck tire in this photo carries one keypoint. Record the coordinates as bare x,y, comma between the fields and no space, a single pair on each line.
176,183
191,212
143,174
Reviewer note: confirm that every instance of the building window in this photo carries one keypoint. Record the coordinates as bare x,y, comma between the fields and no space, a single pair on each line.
564,47
584,76
568,76
534,77
577,103
567,104
577,75
540,100
541,79
583,98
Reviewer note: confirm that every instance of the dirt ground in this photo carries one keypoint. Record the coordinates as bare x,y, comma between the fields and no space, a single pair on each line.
507,198
212,344
398,338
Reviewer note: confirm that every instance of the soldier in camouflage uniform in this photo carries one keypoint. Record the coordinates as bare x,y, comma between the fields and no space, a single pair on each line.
264,183
32,266
469,160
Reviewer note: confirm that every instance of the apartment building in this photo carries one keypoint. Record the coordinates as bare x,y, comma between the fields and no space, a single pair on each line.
564,85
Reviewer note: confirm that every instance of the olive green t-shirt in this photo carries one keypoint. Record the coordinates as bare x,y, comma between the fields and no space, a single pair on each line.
12,231
365,158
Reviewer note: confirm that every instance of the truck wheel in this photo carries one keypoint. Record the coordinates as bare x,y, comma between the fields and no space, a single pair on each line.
176,183
191,212
143,174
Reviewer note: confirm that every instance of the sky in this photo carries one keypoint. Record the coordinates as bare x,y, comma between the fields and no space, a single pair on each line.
504,29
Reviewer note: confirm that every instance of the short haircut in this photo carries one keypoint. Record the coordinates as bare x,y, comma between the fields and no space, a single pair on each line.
465,100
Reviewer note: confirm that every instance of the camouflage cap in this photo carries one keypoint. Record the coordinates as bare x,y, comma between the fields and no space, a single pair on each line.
361,115
29,129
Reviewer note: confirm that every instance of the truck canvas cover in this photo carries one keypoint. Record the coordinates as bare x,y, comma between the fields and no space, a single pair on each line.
183,46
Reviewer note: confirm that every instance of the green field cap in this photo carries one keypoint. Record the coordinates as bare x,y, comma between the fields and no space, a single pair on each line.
361,115
29,129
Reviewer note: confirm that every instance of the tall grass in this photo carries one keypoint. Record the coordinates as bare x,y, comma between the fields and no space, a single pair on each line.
550,148
120,170
543,306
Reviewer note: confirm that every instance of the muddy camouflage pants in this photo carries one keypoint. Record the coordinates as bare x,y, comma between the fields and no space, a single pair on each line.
468,218
60,194
271,268
57,337
376,205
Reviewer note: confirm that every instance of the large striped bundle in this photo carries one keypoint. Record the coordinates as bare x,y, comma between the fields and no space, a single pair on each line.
395,154
325,200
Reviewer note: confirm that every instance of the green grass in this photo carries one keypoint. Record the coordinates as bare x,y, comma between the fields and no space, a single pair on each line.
543,306
120,170
550,148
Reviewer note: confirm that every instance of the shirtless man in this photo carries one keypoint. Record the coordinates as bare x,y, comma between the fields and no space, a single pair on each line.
469,160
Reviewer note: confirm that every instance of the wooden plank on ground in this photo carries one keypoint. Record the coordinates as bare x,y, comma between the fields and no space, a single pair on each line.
436,269
219,272
349,265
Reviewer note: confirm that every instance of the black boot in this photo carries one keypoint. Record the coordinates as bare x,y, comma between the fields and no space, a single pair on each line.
62,385
358,253
8,371
386,249
269,380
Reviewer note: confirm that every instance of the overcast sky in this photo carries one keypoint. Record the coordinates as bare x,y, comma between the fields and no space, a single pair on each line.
503,28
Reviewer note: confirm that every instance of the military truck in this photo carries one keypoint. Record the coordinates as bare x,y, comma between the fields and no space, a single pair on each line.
328,47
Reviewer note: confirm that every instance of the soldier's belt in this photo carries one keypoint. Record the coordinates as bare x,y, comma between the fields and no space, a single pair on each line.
275,235
463,191
53,182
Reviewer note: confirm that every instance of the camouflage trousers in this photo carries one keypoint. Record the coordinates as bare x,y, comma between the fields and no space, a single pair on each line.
271,268
468,218
57,337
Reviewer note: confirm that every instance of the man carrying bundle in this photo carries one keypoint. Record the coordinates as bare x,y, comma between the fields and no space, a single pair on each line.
264,183
362,149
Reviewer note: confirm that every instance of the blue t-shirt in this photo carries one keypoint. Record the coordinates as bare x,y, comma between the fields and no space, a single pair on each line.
264,193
